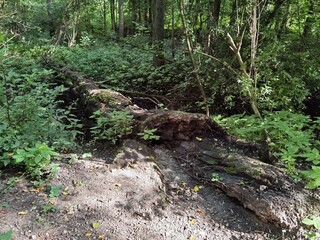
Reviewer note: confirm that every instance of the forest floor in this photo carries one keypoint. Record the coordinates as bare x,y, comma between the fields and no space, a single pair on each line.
143,194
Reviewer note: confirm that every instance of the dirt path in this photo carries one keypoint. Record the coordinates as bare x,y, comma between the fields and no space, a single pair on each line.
144,194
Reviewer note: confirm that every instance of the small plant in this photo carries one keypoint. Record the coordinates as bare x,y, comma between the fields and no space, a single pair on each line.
37,159
312,221
7,235
55,191
49,208
313,176
149,134
215,177
112,126
292,137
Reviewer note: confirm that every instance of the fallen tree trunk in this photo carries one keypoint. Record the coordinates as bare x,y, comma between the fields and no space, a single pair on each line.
263,188
171,125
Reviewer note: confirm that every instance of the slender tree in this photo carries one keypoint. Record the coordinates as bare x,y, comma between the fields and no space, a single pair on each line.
194,62
112,15
158,32
121,19
104,16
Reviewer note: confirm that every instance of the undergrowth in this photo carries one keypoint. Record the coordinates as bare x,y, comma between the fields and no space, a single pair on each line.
122,67
293,139
32,126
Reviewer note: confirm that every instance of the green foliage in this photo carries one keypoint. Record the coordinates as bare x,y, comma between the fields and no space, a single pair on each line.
29,112
123,67
291,135
313,176
149,134
49,208
312,221
37,159
55,191
7,235
215,177
112,126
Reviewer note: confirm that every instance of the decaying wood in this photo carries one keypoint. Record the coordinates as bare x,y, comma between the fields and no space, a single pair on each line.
261,187
171,125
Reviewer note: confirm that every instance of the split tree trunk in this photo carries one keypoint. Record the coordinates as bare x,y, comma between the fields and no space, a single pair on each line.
261,187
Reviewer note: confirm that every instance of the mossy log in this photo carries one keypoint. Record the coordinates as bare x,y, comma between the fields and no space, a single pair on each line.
263,188
170,124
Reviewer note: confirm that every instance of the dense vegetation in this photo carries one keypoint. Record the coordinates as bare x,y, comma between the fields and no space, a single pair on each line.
257,59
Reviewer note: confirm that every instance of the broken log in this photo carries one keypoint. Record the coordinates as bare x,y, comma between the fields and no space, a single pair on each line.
171,125
263,188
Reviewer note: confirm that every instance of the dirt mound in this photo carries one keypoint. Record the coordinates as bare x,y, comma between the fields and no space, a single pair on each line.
144,194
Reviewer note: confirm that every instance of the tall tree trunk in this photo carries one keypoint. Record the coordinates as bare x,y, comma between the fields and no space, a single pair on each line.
195,64
112,14
249,77
74,33
216,12
105,16
50,18
284,21
172,29
121,20
158,32
134,16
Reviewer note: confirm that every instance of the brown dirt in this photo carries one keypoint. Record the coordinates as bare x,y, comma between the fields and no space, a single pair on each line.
144,194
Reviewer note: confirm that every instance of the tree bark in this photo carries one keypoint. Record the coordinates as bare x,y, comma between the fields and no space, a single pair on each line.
112,15
121,19
158,32
104,16
263,188
216,13
172,29
134,16
193,61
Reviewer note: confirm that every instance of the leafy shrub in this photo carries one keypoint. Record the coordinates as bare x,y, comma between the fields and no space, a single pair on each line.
312,221
149,134
113,126
123,67
291,136
36,159
29,112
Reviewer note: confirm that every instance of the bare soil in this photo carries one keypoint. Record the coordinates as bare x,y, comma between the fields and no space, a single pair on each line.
144,194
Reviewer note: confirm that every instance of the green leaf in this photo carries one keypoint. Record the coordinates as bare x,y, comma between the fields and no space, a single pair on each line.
7,235
55,191
312,221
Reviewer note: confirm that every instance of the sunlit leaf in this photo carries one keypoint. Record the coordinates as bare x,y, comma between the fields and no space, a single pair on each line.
197,188
192,221
96,225
199,139
88,234
23,213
